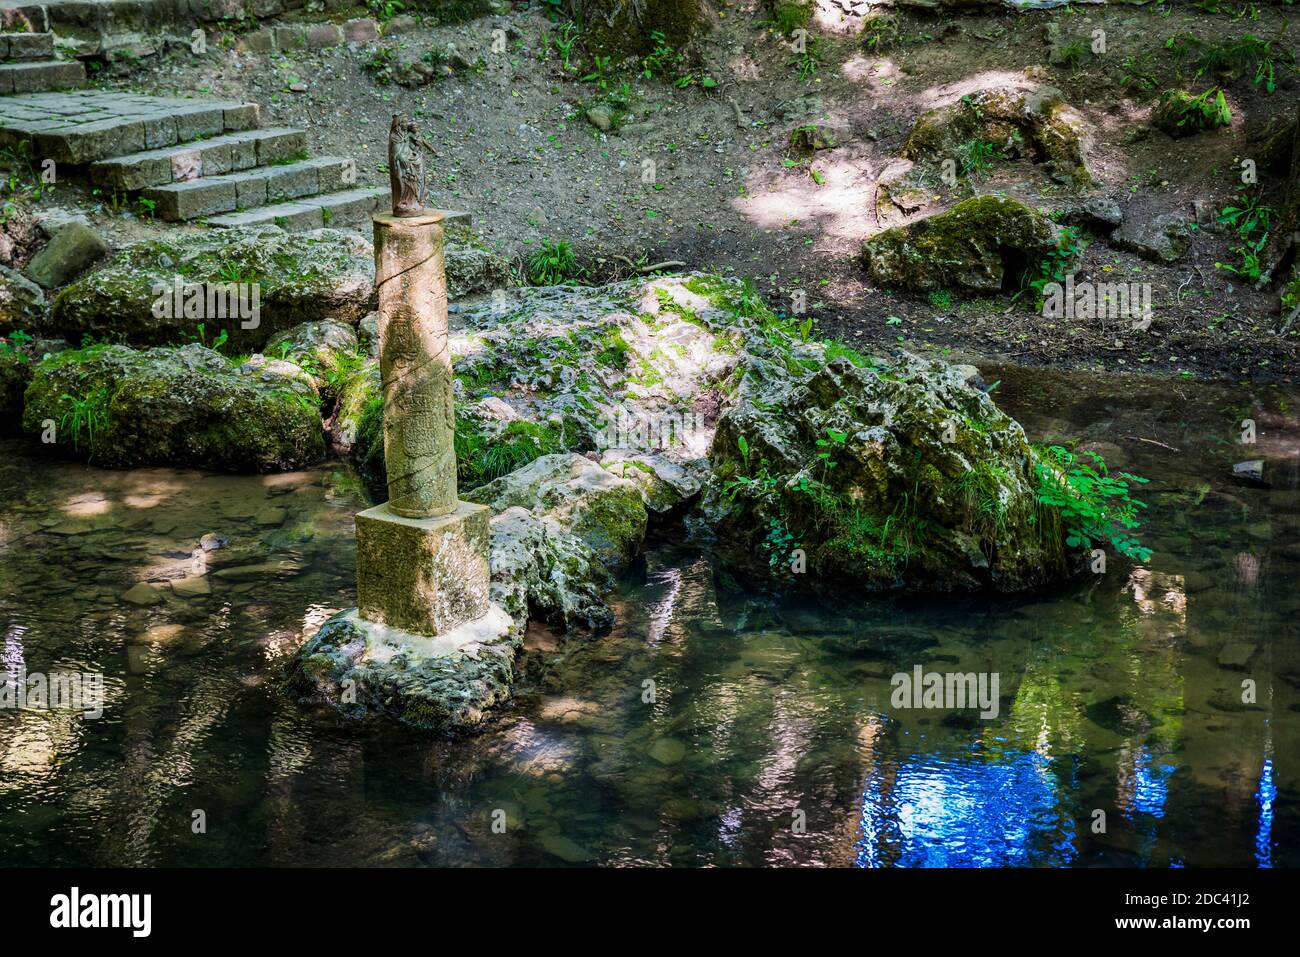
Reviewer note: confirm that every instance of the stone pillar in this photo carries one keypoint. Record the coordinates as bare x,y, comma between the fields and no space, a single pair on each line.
422,556
415,365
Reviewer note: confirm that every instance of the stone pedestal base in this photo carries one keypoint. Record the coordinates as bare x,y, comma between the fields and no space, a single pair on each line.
423,575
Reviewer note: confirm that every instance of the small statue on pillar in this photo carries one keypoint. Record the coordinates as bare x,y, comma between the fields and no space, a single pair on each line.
406,167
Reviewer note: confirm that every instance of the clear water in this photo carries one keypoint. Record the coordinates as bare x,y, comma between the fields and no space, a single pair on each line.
1120,693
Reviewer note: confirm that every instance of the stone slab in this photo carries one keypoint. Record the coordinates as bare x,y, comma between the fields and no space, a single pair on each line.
425,576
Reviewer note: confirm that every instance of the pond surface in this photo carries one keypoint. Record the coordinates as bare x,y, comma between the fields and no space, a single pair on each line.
770,739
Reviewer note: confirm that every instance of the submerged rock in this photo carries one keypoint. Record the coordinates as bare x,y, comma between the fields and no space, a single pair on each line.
893,476
124,408
985,244
364,670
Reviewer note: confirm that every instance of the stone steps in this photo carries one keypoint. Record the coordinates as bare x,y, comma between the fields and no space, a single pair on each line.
250,188
81,126
211,157
26,46
37,76
350,207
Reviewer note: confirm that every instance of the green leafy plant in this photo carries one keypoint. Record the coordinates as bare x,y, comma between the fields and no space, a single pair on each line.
1057,265
1253,222
879,32
1092,505
807,62
553,264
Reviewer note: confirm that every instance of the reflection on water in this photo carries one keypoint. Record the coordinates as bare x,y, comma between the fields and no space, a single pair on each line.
1122,735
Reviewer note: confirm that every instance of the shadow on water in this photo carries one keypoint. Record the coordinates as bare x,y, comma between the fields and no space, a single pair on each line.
709,727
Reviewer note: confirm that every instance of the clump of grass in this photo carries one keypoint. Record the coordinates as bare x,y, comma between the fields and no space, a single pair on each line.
553,264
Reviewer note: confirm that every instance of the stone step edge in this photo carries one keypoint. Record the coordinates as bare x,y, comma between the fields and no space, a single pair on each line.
156,167
304,207
249,188
42,44
305,213
29,76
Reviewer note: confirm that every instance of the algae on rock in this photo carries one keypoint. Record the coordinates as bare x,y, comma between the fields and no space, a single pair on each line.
124,408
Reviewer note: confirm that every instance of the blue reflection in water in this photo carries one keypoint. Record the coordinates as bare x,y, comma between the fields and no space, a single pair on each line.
1265,794
1151,786
982,811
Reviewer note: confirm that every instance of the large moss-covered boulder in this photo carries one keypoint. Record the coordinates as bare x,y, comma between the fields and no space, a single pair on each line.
1035,123
124,408
896,475
298,277
577,495
986,244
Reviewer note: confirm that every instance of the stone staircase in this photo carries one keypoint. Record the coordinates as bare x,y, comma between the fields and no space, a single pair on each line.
28,64
206,160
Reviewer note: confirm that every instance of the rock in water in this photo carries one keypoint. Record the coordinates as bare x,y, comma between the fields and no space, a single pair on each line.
125,408
985,244
901,475
577,495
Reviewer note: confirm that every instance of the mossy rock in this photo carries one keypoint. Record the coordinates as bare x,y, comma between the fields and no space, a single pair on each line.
22,302
1036,123
985,244
327,351
300,277
577,495
893,476
186,406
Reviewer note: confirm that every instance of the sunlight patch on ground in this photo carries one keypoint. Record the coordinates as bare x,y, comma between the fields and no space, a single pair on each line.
839,208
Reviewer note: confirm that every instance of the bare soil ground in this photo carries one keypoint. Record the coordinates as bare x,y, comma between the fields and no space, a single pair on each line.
516,149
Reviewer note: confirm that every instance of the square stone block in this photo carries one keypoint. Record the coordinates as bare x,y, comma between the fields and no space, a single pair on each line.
426,575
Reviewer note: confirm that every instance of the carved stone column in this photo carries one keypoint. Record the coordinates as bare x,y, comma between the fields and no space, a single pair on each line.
422,556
